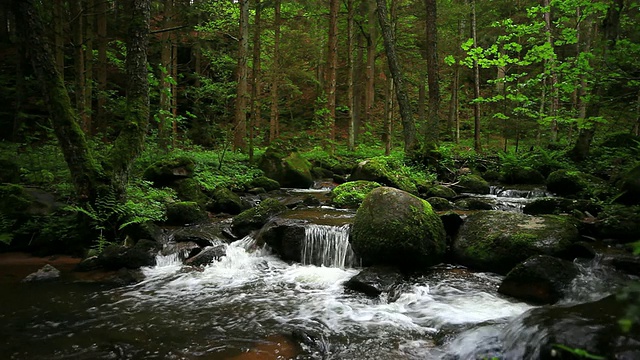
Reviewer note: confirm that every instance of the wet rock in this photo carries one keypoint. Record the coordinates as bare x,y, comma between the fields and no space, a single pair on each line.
46,273
285,237
574,184
440,204
540,279
559,205
441,191
497,241
473,184
266,183
205,234
189,190
290,170
256,217
550,332
351,194
146,230
208,255
183,249
619,222
226,201
383,171
373,281
166,171
184,212
452,223
471,203
321,173
115,257
393,227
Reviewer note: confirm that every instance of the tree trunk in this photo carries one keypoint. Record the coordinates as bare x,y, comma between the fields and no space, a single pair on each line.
165,82
408,125
174,87
476,82
332,62
553,93
240,123
130,141
369,92
351,144
388,115
58,29
255,118
358,86
275,111
83,168
77,29
433,80
88,64
101,69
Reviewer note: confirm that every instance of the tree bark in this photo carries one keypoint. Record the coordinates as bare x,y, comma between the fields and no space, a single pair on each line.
388,115
77,29
88,64
351,144
58,29
476,82
372,43
332,62
433,79
275,111
165,73
240,123
255,117
101,68
408,125
553,76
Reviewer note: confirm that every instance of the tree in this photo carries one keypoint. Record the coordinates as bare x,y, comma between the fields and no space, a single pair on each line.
242,94
332,62
433,78
476,82
275,112
408,125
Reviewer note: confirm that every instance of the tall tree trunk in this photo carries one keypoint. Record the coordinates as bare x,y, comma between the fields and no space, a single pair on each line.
101,68
275,111
408,125
165,73
83,168
553,84
58,29
21,84
174,85
351,68
422,103
77,29
255,117
636,126
388,115
240,123
88,64
130,141
433,79
332,62
476,82
358,86
372,43
453,105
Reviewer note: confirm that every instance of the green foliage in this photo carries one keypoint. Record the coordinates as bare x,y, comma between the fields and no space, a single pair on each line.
352,193
6,226
581,353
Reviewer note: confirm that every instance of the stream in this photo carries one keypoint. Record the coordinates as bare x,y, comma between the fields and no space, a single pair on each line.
248,305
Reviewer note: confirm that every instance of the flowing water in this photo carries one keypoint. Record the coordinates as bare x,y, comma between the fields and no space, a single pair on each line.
512,200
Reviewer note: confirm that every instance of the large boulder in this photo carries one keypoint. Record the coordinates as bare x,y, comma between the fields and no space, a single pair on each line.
559,332
184,212
375,280
226,201
189,190
208,255
285,237
521,175
256,217
393,227
352,193
540,279
497,241
384,171
115,257
574,184
473,184
166,171
559,205
265,183
441,191
290,170
630,185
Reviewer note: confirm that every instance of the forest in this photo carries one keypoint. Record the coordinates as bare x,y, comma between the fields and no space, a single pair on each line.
405,139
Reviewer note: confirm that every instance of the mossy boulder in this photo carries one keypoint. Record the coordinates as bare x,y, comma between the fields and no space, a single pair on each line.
440,204
226,201
189,190
521,175
14,200
185,212
352,193
540,279
573,184
9,171
115,257
441,191
165,171
393,227
290,170
472,203
619,222
629,184
256,217
473,184
497,241
558,205
383,171
266,183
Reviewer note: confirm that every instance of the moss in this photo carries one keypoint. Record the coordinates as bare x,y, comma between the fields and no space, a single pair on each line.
574,184
352,193
439,204
382,170
13,199
167,170
521,175
225,201
189,190
290,171
256,217
441,191
473,184
185,212
266,183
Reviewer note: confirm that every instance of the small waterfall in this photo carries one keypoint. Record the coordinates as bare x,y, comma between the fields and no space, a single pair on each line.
327,246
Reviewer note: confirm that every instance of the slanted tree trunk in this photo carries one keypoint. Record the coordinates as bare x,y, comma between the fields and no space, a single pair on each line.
275,111
388,115
332,62
433,78
255,118
408,125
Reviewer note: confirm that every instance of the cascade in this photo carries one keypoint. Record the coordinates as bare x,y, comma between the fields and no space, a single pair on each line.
327,246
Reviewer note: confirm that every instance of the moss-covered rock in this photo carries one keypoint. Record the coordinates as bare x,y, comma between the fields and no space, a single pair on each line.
115,257
165,171
521,175
321,173
14,199
558,205
266,183
573,183
352,193
497,241
189,190
393,227
439,204
256,217
473,184
441,191
9,171
291,170
381,170
224,200
630,187
185,212
472,203
619,222
540,279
